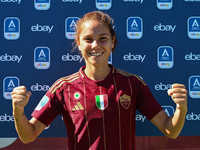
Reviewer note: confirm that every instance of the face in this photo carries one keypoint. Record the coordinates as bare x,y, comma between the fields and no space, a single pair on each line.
95,43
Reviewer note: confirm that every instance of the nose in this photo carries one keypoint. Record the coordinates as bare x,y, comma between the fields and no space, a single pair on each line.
95,44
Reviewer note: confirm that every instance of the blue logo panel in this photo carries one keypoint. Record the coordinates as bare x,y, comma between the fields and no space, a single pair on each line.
194,86
42,58
70,27
9,83
164,4
194,28
134,27
11,28
103,4
165,56
42,4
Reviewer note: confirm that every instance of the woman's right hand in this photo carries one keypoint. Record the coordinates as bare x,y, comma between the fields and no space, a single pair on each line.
20,97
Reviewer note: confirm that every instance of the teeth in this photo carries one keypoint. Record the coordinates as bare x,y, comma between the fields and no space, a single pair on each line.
96,54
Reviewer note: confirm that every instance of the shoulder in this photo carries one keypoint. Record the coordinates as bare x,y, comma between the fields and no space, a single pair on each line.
65,81
132,77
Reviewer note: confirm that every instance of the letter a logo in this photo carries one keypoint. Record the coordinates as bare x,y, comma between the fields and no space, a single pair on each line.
9,83
42,54
194,86
193,27
11,28
195,23
165,53
42,57
134,28
70,27
134,24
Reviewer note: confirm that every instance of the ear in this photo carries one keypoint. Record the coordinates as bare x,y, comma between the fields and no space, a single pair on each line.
78,44
113,42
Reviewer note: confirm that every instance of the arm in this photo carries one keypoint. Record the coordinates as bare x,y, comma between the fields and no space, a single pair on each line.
27,130
172,126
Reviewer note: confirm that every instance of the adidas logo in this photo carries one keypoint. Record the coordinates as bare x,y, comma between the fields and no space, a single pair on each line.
78,106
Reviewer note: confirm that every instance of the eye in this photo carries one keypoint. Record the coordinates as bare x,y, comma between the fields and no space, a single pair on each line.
88,40
103,38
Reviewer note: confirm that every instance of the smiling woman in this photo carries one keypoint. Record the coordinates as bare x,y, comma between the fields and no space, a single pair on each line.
98,103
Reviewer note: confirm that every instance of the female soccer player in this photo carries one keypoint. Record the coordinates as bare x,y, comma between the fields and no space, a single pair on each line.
98,103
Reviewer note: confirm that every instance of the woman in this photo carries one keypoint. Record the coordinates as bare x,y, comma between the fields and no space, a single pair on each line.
98,103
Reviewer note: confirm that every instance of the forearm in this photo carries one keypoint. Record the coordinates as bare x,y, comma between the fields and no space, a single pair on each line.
175,123
24,128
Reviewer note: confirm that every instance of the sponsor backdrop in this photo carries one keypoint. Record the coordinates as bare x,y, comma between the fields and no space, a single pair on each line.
159,40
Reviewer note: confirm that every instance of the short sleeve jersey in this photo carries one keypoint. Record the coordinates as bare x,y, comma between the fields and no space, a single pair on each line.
99,115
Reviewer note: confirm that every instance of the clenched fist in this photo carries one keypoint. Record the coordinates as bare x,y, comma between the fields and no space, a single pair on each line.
178,93
20,97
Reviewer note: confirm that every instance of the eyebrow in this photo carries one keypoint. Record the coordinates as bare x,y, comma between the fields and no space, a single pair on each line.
99,35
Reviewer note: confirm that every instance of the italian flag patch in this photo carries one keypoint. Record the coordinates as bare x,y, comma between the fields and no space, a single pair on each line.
101,101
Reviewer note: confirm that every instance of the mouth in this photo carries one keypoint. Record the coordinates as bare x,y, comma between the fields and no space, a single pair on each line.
96,54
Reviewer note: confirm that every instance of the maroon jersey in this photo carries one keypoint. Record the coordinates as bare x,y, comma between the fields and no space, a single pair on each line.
98,114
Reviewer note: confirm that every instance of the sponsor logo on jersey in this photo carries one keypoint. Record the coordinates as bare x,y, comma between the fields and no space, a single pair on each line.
7,57
9,83
42,4
193,27
161,27
78,106
79,1
42,102
101,101
141,1
103,4
165,56
192,57
131,57
40,28
194,86
162,87
70,27
9,1
6,118
69,57
38,87
164,4
134,27
125,101
42,57
11,28
169,110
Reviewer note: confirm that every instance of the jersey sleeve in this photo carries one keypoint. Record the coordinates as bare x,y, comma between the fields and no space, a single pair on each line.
146,103
48,108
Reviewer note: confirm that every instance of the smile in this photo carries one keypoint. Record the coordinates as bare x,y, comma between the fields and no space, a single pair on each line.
96,54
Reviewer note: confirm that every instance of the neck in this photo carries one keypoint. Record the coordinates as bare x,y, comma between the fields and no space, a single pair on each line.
97,73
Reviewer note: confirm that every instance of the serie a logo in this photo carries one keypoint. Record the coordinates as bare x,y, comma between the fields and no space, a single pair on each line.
194,86
9,83
42,5
11,28
70,27
165,56
42,57
193,27
134,27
